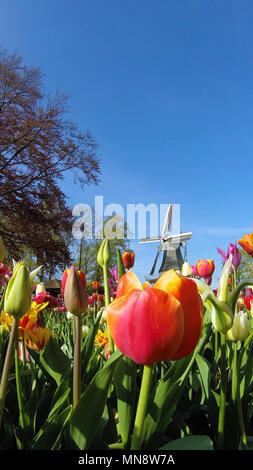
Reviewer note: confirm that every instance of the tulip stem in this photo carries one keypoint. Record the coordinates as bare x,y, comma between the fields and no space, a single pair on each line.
77,360
141,407
107,302
19,385
7,366
223,386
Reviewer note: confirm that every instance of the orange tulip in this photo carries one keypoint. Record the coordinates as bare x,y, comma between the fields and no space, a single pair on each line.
246,243
95,285
128,259
185,290
159,323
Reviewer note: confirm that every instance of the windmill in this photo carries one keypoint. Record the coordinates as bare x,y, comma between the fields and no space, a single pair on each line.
170,245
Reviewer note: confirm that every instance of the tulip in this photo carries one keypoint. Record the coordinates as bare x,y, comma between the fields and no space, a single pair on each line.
40,288
205,268
76,301
152,324
104,253
75,295
187,269
44,296
18,299
128,259
246,243
241,327
232,250
157,323
186,292
95,285
194,270
65,277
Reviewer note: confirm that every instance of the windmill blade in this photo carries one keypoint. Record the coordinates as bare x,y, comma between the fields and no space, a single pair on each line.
167,221
148,240
155,262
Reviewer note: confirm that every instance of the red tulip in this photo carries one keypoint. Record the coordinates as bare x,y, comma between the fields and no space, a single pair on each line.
246,243
205,268
159,323
128,259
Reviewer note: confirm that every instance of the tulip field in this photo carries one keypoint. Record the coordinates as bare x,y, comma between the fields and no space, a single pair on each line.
128,366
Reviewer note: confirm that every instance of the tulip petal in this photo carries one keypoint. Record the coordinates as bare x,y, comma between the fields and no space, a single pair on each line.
128,282
185,290
146,325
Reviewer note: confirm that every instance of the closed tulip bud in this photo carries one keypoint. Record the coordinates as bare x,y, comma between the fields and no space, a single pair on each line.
17,299
241,327
75,295
85,331
186,269
2,250
104,253
128,259
40,288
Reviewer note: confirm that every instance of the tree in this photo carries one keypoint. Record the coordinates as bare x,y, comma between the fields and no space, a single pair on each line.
38,147
87,249
245,268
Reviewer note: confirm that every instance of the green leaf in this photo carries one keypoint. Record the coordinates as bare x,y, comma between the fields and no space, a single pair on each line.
125,385
88,346
204,370
49,435
59,399
54,361
120,264
190,443
87,414
166,396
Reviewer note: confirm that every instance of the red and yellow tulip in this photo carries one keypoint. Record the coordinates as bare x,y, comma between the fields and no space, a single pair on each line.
152,324
205,268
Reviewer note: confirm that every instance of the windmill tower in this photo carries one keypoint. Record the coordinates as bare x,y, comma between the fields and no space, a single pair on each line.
170,245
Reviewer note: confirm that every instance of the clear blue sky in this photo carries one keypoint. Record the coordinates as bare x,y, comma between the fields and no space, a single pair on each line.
166,88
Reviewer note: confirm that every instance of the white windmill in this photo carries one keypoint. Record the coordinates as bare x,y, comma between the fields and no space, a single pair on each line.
170,245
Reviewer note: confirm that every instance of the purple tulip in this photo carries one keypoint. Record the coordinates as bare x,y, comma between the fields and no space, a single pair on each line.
194,270
232,250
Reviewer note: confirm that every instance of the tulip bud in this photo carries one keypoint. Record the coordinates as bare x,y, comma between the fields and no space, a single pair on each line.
85,330
128,259
241,327
104,253
75,295
40,288
2,250
186,269
17,299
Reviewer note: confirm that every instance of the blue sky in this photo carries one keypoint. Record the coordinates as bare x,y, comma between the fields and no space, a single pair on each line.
165,87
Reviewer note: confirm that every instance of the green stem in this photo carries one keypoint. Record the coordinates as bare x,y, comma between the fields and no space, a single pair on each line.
141,408
77,360
107,302
234,375
223,386
19,386
7,367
